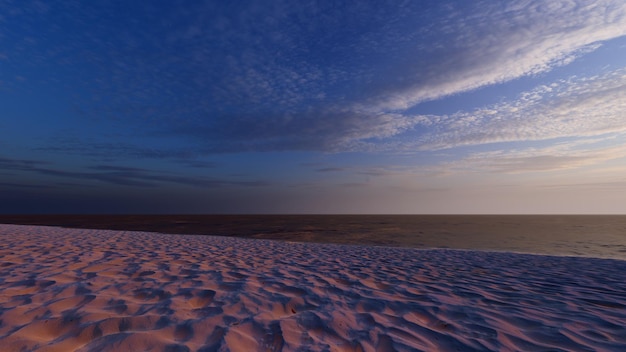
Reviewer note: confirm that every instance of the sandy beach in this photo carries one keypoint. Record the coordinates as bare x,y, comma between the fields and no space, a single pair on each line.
112,290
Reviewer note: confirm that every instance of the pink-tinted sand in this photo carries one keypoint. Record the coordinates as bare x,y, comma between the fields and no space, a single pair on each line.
99,290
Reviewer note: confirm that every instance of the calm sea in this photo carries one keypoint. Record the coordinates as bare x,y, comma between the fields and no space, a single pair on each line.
587,235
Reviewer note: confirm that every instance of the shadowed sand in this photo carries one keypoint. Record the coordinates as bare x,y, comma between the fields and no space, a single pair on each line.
104,290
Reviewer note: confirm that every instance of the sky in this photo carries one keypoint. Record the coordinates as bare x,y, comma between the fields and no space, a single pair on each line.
353,107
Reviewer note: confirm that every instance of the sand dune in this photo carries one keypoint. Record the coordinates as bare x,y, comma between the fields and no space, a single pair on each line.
100,290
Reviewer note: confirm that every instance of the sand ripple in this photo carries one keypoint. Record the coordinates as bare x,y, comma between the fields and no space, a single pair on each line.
99,290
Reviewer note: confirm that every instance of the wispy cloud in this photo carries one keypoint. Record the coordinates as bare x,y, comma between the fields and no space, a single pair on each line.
120,175
10,185
20,164
608,186
494,42
320,77
522,160
476,46
331,169
577,107
110,150
312,131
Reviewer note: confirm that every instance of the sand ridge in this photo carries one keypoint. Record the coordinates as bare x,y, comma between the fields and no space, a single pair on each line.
101,290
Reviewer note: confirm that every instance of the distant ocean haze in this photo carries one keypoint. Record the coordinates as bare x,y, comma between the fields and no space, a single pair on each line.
602,236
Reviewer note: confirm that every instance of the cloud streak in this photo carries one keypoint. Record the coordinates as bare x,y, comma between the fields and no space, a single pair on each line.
120,175
531,159
276,77
332,131
577,107
492,42
486,44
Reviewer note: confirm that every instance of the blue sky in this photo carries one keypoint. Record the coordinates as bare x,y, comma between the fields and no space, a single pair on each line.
313,107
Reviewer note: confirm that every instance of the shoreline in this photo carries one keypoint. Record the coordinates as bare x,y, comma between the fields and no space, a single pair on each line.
596,236
331,244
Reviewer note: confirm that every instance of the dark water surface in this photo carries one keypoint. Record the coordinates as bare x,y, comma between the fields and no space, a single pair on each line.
577,235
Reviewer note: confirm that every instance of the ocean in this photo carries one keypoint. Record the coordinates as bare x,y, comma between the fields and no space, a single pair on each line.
600,236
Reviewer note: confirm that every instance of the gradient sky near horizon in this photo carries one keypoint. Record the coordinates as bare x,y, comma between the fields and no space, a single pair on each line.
313,106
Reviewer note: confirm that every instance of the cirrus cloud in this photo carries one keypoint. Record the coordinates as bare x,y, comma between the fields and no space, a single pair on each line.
576,107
